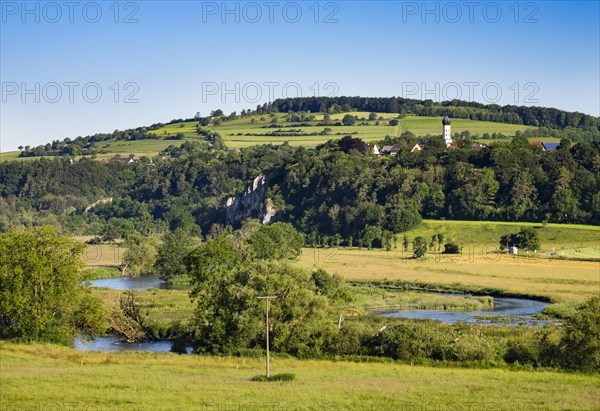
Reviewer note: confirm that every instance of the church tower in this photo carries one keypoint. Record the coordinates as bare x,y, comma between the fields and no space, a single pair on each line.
446,134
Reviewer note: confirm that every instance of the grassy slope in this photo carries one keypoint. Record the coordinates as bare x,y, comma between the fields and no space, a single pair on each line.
144,381
487,233
229,130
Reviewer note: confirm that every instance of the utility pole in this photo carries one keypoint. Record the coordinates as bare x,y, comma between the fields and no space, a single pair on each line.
268,299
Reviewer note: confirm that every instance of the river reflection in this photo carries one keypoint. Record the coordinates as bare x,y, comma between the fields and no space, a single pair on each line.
144,282
117,344
510,311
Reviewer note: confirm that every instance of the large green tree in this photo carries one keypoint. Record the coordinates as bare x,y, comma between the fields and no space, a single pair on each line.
275,242
229,316
40,293
171,254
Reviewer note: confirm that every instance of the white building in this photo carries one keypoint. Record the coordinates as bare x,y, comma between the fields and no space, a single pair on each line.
446,133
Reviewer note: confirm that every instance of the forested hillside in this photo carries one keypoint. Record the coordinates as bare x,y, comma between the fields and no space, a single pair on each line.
338,192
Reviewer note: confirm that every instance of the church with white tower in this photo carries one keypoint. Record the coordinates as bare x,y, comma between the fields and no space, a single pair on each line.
446,134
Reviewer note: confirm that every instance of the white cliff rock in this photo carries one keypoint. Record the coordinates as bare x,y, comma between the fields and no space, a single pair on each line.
251,204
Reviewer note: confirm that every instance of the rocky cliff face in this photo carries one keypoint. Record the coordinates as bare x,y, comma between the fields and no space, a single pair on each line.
251,204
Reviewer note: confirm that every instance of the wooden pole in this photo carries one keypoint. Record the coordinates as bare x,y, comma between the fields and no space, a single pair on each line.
268,300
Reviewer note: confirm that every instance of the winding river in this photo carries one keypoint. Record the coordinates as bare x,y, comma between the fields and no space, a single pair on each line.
506,311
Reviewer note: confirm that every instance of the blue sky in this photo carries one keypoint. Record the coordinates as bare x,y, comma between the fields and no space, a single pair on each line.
154,61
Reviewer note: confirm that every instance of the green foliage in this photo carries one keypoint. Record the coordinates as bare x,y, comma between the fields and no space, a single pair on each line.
526,239
349,120
229,315
211,261
276,241
277,377
581,341
170,257
332,286
40,297
408,342
139,257
419,247
451,248
371,234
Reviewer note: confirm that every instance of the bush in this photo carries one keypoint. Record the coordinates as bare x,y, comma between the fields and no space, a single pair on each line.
451,248
469,347
537,348
276,377
409,342
349,120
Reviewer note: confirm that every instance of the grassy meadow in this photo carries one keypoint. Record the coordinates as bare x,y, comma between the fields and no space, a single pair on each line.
59,376
558,280
479,267
484,235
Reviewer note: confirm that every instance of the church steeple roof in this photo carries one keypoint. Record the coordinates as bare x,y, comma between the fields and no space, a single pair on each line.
446,121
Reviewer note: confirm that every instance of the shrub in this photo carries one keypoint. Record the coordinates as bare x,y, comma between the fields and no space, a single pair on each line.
276,377
451,248
409,342
470,347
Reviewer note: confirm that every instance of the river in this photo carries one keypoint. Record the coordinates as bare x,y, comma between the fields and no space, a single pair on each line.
506,311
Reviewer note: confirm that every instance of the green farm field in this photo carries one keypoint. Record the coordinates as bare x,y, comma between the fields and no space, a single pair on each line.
485,234
432,125
165,381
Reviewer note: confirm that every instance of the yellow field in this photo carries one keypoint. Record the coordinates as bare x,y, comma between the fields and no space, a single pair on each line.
560,280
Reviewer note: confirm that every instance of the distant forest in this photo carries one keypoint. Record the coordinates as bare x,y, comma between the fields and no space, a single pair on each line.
337,193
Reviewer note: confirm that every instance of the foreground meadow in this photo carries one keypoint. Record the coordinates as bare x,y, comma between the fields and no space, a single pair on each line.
59,378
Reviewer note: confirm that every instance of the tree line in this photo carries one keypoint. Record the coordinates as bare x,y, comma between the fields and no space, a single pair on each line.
526,115
337,192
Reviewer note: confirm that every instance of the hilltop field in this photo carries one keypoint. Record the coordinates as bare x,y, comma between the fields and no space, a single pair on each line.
257,129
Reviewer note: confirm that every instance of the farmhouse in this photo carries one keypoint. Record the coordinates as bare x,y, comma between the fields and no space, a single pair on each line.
393,150
550,146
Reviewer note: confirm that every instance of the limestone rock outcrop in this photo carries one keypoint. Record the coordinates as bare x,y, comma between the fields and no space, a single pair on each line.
251,204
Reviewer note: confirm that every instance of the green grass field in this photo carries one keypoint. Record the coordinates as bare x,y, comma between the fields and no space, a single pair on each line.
432,125
486,234
63,378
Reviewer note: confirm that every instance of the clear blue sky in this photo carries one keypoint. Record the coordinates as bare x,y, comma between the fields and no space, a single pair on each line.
173,59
